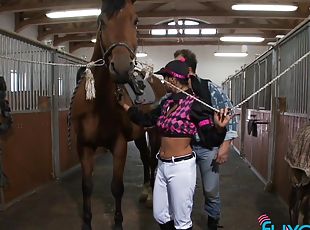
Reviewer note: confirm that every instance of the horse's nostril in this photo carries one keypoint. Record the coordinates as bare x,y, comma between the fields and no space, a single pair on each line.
132,64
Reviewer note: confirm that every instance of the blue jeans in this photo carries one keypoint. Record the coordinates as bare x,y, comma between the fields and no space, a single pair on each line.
210,179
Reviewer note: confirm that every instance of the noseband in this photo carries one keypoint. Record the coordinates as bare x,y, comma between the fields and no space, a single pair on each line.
106,53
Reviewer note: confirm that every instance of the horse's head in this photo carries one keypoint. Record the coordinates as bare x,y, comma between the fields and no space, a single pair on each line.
117,37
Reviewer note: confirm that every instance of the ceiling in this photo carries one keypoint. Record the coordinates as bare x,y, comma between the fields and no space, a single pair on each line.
217,13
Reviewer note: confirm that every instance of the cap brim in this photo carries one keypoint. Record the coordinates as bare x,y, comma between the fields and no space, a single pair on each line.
162,71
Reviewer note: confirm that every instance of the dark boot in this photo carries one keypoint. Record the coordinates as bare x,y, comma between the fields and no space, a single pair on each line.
212,223
167,226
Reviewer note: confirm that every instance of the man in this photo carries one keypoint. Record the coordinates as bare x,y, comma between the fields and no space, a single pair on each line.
209,159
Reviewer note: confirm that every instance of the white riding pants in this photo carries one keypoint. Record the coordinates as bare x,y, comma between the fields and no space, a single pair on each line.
173,192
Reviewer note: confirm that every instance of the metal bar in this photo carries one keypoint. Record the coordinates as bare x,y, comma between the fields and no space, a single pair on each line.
55,118
273,125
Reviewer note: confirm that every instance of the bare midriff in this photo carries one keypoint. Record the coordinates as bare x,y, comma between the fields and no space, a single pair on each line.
175,147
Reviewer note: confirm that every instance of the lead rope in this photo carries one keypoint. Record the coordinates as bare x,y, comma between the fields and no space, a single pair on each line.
245,100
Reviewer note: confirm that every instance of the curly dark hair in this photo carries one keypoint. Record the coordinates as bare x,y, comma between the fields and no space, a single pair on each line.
190,58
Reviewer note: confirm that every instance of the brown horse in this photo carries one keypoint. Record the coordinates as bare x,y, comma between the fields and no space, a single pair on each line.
298,158
102,121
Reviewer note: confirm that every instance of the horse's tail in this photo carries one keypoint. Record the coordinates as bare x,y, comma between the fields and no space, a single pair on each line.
79,77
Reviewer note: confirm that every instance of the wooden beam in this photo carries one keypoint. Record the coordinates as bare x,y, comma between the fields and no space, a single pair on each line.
198,43
227,14
78,38
43,20
72,38
73,46
84,28
45,32
34,5
77,45
221,26
155,6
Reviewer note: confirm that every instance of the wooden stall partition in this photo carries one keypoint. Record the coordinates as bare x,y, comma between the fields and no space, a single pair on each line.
27,154
256,148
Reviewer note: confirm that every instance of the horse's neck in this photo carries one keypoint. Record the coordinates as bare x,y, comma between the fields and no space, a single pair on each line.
104,86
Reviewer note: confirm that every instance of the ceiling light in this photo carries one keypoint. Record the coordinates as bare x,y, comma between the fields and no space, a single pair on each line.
94,40
260,7
241,39
280,36
217,54
74,13
208,31
158,32
141,54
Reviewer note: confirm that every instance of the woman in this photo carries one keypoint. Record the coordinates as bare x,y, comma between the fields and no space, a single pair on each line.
177,117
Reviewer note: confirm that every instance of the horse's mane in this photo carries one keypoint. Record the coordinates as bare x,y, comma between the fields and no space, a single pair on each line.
110,7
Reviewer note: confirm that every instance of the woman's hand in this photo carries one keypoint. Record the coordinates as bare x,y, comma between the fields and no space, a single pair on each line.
222,118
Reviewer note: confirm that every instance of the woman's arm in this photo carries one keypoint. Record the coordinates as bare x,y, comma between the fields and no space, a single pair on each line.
137,116
211,127
144,119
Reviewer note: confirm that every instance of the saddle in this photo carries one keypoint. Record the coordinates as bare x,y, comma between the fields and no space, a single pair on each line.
139,89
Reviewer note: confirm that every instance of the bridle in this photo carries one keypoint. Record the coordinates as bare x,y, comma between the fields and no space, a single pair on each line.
107,52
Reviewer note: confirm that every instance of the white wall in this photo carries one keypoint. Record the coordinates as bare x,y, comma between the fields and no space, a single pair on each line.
7,22
85,53
215,68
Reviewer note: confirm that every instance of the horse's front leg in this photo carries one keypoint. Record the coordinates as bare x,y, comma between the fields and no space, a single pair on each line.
87,162
154,140
117,185
145,157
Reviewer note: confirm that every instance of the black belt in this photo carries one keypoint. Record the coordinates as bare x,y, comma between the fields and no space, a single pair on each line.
177,159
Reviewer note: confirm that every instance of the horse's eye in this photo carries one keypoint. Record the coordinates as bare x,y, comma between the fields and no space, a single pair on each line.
136,21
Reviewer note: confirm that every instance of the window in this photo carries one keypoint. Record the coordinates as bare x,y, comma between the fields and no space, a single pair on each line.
186,23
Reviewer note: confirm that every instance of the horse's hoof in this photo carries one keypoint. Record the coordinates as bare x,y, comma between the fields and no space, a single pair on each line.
149,201
86,226
118,226
144,193
118,218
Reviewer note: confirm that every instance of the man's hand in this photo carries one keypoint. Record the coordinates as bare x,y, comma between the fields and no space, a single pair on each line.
123,103
223,153
222,118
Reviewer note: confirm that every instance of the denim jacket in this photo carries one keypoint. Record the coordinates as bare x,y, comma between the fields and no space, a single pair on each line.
220,100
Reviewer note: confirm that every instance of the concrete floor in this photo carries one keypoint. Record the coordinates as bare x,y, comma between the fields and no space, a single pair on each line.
58,205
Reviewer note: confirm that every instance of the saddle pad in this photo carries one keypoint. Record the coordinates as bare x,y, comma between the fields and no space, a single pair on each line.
148,96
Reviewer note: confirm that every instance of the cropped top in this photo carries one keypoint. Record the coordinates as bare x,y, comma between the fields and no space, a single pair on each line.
178,115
